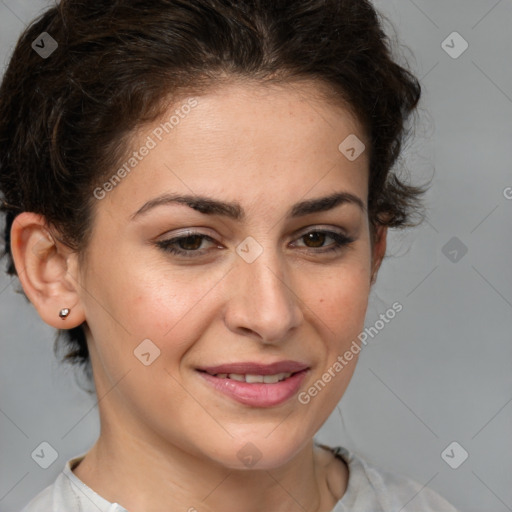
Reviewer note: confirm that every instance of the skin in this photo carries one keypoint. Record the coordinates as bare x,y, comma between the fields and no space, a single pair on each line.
168,438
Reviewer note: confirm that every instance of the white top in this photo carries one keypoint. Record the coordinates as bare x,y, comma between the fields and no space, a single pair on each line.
369,489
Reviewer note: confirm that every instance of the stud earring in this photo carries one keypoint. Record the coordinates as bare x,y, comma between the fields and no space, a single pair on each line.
64,313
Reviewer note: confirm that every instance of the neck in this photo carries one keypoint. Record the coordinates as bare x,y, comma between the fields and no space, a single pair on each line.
144,476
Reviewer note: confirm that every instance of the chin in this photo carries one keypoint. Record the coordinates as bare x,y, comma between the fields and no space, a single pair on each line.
257,452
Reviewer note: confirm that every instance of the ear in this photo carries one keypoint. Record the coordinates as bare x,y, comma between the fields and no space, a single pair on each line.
378,251
47,270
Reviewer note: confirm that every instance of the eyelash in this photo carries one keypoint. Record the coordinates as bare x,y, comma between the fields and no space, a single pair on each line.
340,240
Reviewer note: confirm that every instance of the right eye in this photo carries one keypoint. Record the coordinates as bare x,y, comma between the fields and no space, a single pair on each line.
186,246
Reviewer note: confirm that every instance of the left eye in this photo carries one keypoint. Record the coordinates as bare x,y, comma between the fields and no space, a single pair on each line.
189,245
318,237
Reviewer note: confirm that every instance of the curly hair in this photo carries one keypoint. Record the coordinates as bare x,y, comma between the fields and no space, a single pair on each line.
65,120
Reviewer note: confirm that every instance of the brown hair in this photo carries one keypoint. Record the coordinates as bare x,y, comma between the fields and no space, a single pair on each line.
65,119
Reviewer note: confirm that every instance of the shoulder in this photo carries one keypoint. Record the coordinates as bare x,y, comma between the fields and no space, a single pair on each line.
68,493
43,501
371,489
57,496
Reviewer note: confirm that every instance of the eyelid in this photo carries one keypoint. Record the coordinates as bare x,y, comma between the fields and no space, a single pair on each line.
320,227
188,232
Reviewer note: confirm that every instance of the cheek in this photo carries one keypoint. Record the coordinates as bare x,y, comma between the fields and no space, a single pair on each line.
134,302
134,295
339,317
342,300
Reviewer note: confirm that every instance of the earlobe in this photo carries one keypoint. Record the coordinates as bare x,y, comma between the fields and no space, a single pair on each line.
44,269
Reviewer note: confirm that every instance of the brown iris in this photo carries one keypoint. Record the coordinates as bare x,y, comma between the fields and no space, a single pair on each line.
315,237
183,242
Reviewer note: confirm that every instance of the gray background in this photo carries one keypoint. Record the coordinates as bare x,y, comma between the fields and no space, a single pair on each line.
440,371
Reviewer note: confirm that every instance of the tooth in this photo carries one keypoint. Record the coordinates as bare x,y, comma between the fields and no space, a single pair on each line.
268,379
254,378
237,376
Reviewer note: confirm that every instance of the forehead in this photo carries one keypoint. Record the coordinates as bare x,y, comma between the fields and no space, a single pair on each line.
247,140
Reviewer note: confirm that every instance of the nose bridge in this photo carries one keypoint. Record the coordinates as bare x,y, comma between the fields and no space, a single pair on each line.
264,300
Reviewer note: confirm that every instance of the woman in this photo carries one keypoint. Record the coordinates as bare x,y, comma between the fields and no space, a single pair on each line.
197,196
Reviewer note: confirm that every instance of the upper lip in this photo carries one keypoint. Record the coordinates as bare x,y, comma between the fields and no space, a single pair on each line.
250,368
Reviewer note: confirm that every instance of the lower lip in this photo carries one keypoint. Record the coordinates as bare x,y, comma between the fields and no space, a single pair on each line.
257,394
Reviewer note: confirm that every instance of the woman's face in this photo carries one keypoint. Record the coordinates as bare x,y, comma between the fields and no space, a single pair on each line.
258,281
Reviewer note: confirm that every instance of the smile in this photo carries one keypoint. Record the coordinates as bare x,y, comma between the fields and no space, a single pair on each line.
251,379
256,385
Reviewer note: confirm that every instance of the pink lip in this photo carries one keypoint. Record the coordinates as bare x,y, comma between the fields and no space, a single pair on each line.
245,368
257,394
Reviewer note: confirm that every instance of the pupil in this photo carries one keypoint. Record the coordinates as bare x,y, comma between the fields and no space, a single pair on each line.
312,236
183,243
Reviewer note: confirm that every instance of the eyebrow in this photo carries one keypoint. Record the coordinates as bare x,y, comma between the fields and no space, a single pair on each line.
234,210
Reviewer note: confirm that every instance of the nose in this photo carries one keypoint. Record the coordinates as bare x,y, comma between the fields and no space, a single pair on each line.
263,303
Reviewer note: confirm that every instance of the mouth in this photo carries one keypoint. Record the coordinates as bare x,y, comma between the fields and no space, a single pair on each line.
252,378
258,369
256,385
